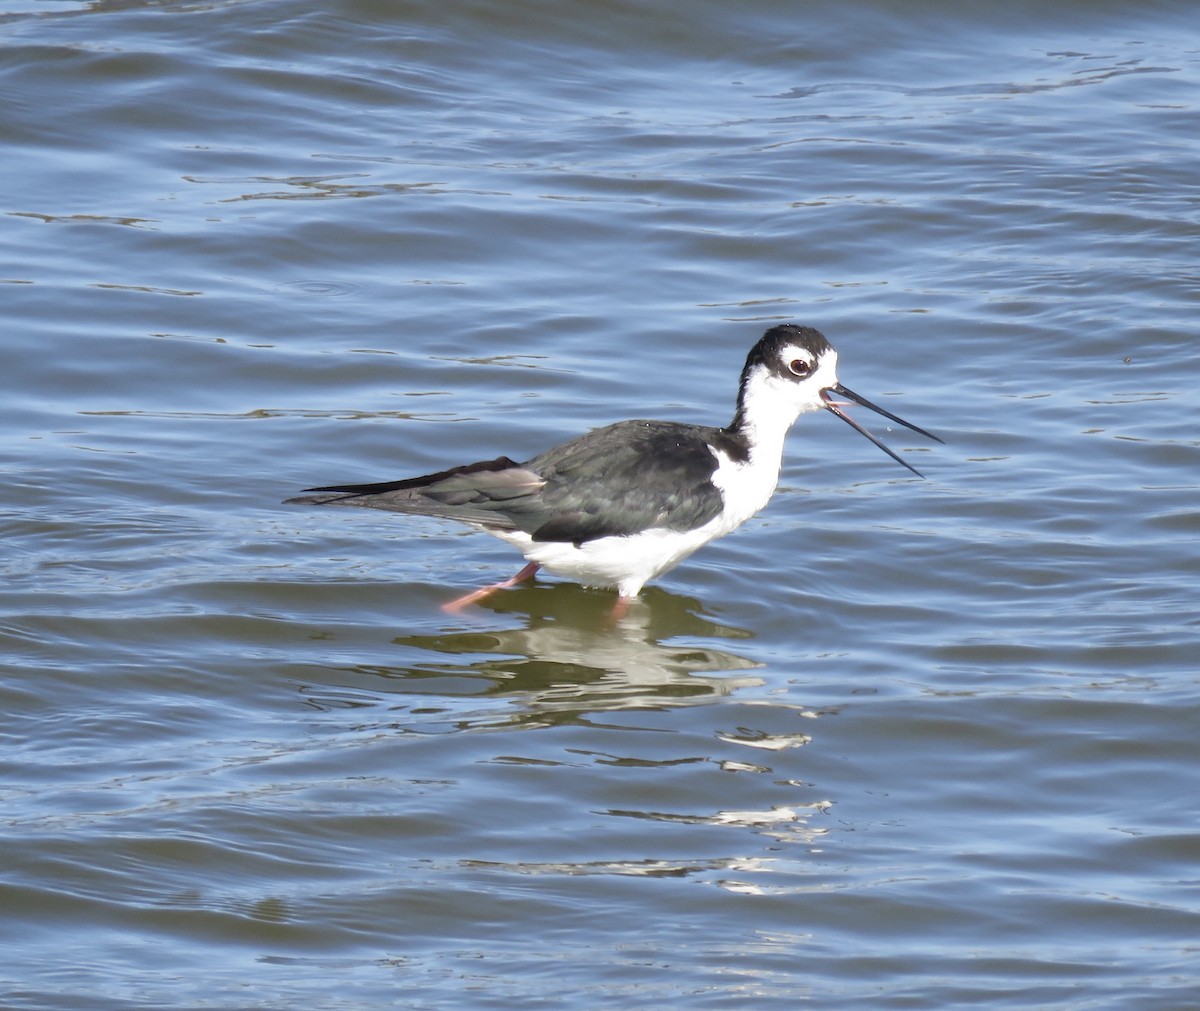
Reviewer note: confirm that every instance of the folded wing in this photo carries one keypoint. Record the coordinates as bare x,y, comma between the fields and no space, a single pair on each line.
619,480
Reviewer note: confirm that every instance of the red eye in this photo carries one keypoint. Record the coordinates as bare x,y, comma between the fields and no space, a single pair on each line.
799,367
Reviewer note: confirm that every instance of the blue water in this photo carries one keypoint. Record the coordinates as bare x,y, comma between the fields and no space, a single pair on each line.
894,744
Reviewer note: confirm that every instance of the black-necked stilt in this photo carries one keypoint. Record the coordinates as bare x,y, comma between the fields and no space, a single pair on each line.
623,504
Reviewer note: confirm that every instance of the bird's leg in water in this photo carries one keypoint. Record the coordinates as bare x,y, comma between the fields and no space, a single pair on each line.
455,606
620,608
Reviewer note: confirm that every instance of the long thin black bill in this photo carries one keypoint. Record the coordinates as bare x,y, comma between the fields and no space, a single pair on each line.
834,408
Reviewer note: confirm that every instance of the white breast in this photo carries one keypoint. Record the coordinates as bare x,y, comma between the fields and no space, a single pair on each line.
745,487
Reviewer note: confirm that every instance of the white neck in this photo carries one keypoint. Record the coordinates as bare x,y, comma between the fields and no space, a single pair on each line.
769,405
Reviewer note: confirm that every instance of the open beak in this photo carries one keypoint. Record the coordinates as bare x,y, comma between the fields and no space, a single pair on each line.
834,407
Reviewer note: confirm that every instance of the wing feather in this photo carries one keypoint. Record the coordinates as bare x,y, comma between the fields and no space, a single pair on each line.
618,480
491,493
626,478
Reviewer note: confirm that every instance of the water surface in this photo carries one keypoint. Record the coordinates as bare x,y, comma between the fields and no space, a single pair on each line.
896,743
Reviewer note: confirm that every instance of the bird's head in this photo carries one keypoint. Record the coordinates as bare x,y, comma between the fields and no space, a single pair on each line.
793,370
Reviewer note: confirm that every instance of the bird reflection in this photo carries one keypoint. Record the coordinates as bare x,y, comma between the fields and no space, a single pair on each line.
570,653
663,670
567,656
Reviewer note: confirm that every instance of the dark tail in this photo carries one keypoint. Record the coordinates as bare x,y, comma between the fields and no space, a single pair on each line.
353,494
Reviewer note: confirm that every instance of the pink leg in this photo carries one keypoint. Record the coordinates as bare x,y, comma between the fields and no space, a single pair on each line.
620,607
457,605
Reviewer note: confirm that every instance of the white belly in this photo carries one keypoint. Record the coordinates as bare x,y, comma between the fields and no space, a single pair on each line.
627,563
